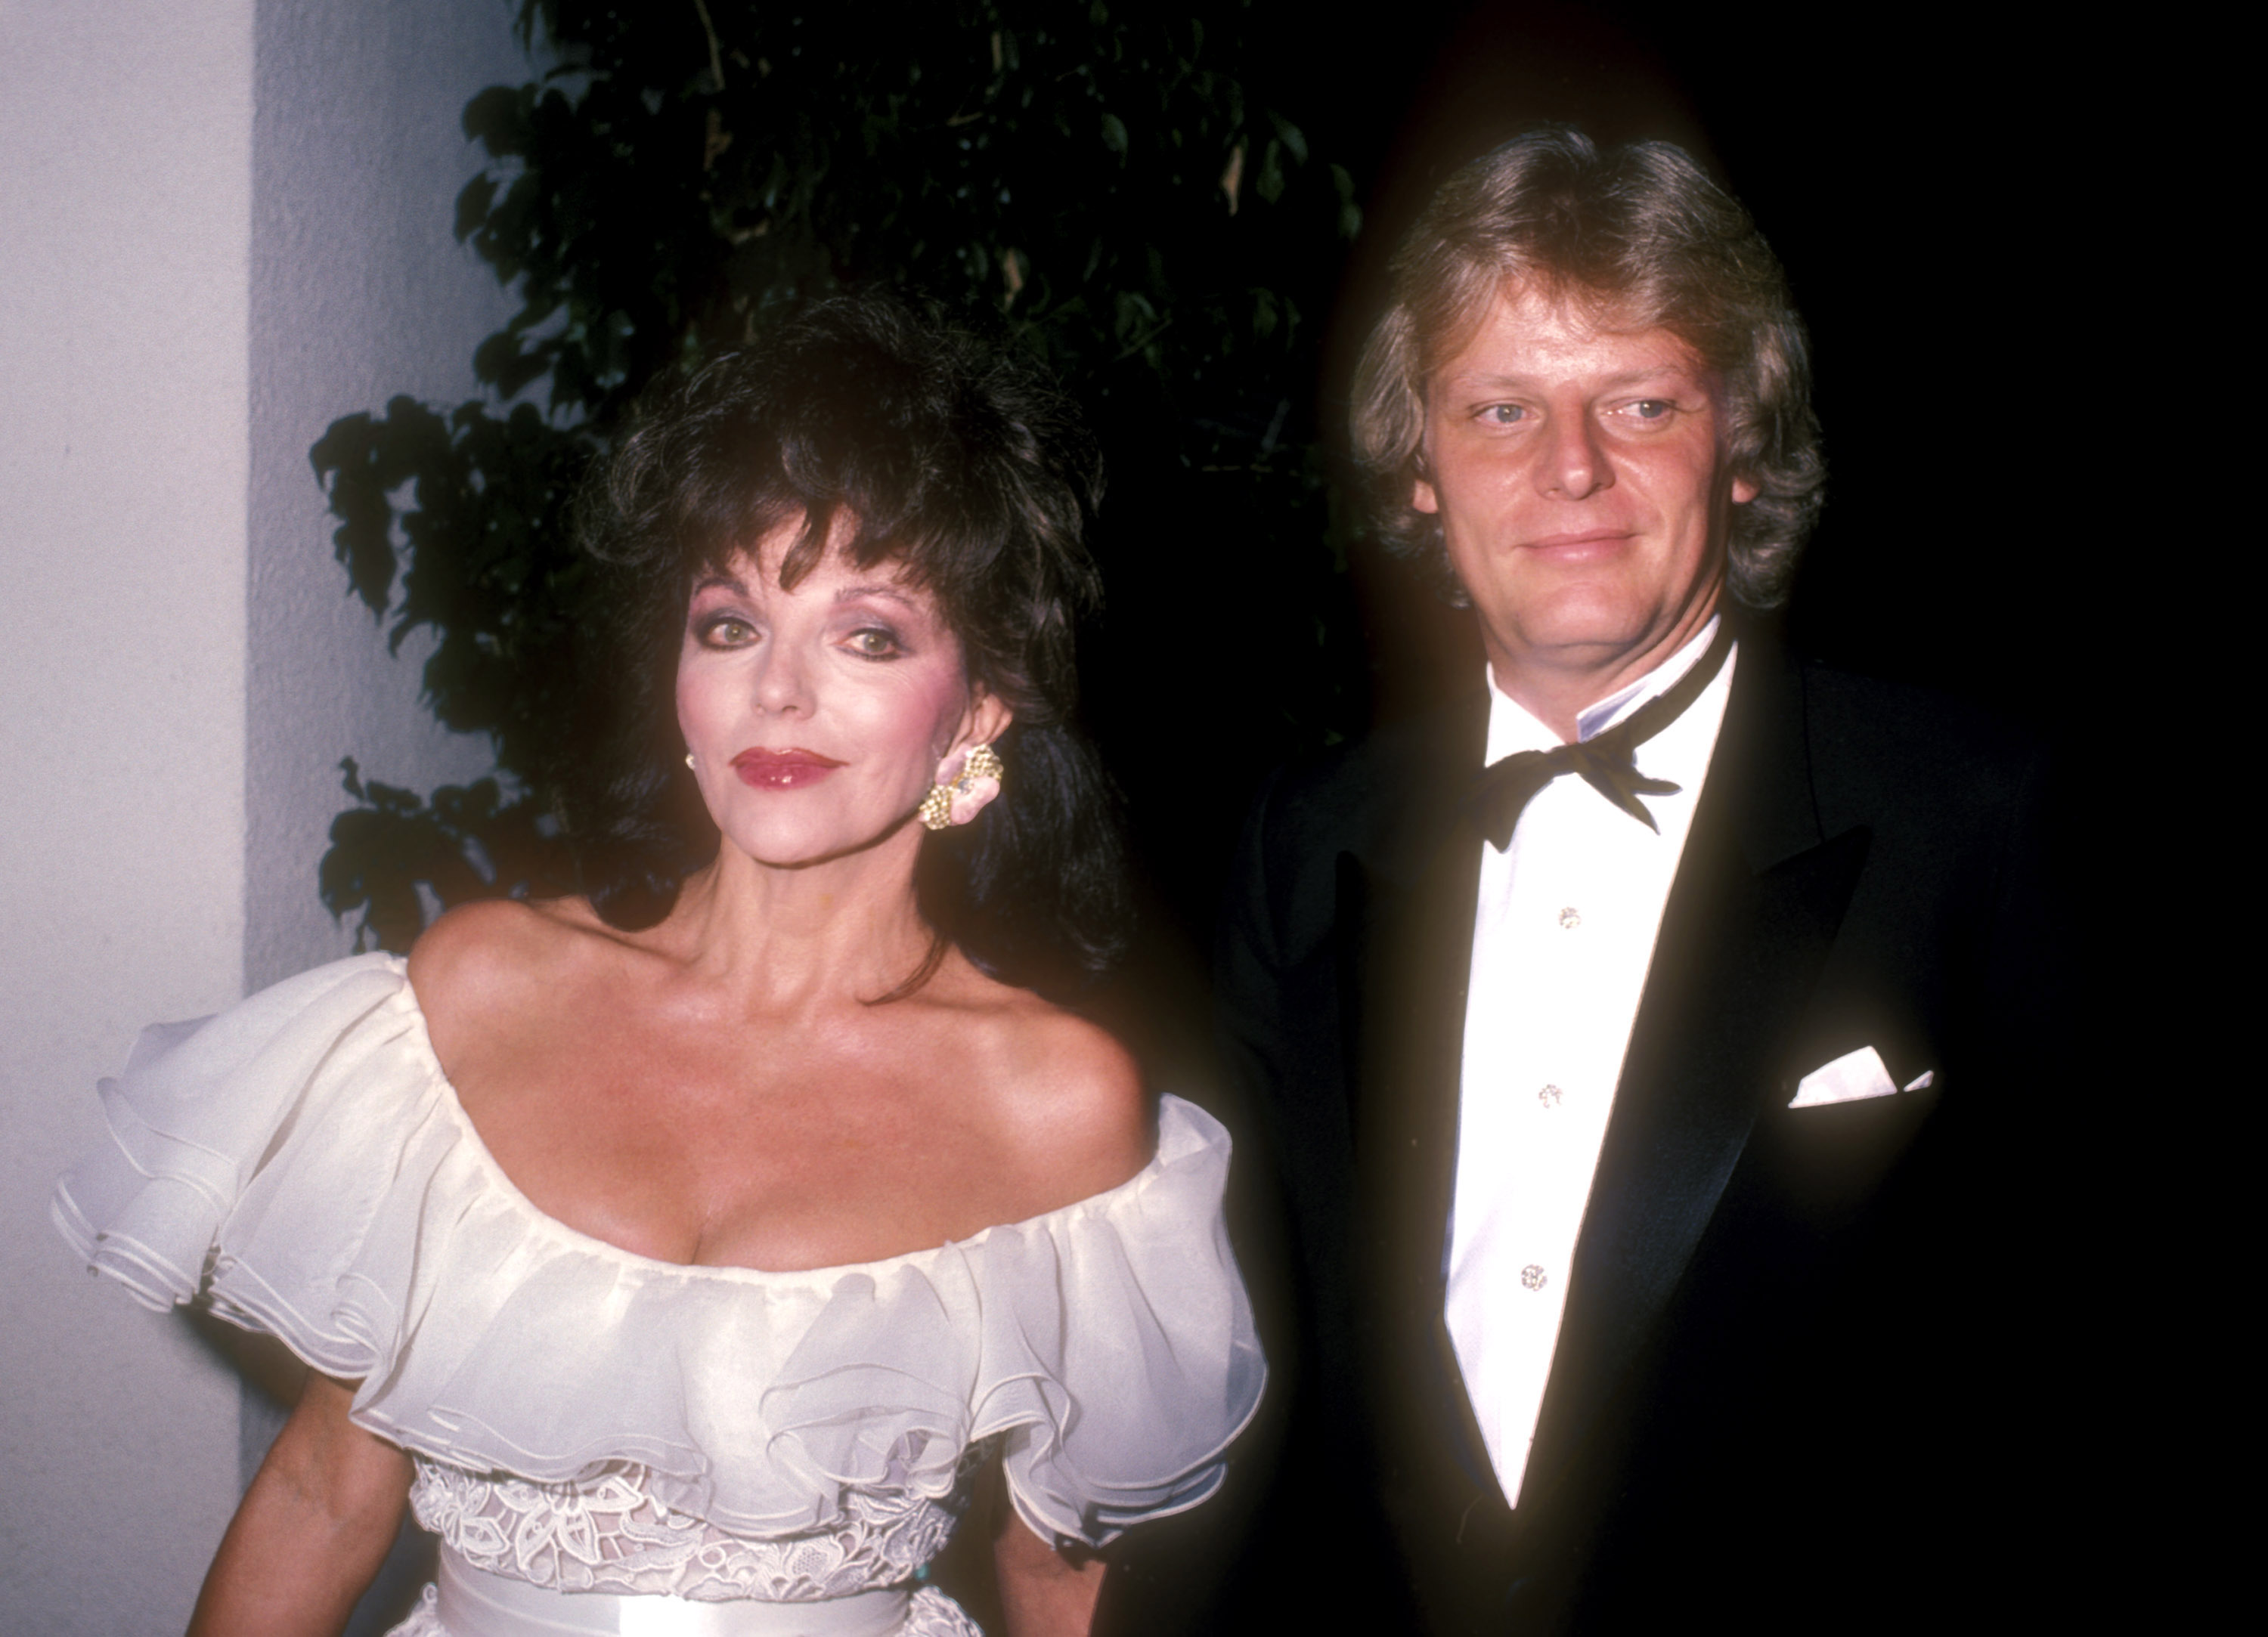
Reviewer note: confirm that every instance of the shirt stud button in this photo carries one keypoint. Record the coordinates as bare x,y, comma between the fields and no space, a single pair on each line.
1532,1276
1570,919
1548,1097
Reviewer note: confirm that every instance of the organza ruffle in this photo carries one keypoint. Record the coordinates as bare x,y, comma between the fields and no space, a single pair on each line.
301,1163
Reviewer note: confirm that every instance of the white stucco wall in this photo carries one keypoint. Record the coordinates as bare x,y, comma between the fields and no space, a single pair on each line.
359,291
125,201
221,225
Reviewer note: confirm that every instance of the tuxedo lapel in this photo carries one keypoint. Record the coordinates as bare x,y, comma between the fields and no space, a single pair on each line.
1758,897
1407,920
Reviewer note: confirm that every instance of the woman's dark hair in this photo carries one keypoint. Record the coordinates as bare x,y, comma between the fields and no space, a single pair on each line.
957,460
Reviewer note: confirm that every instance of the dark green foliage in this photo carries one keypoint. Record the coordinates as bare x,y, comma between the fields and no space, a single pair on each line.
1131,198
489,569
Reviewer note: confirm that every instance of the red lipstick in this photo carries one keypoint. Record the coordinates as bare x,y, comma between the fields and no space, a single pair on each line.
781,769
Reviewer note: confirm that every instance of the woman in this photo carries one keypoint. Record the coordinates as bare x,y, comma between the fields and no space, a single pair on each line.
652,1242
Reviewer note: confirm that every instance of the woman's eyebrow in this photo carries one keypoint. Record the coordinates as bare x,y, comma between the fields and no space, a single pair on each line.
851,593
719,582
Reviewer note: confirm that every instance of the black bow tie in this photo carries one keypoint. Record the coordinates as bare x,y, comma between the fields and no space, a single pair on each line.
1607,762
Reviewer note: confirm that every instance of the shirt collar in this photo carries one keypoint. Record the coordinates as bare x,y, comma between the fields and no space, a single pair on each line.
1512,728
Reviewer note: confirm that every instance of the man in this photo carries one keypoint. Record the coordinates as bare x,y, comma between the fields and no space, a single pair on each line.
1618,1093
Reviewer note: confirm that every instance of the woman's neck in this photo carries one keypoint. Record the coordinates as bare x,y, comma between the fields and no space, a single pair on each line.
847,928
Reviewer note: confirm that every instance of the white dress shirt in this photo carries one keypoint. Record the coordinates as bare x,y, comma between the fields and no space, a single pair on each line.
1561,943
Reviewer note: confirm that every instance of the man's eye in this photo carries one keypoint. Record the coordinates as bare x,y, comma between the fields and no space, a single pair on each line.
1503,414
1653,408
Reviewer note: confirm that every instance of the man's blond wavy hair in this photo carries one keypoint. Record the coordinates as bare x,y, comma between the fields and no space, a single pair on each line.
1637,238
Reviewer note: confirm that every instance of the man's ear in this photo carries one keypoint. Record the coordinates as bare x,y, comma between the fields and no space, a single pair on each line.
1422,496
1744,490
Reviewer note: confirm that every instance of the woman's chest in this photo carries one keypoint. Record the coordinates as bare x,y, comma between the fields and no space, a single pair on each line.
751,1155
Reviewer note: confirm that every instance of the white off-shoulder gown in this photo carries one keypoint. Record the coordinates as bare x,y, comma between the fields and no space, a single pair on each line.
606,1443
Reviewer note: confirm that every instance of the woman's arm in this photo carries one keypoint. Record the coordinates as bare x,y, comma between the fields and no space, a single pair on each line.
1042,1592
313,1528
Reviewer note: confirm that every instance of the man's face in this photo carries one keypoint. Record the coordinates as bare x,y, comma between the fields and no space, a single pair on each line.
1579,477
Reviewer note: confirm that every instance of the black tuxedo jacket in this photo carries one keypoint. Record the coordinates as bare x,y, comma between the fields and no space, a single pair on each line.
1786,1371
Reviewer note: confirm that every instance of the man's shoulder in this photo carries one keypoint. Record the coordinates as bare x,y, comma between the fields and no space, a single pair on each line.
1383,800
1874,743
1360,796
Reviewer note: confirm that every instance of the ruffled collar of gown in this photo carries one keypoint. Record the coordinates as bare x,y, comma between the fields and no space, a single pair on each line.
301,1163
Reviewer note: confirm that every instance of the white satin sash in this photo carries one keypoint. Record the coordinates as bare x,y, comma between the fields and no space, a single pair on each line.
474,1602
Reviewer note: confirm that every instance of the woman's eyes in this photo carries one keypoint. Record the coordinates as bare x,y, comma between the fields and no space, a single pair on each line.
874,641
866,642
726,631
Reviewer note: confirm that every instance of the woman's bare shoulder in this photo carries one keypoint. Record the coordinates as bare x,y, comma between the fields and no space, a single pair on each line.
1067,1094
483,957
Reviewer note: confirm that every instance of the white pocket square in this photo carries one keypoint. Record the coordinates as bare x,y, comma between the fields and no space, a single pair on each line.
1854,1074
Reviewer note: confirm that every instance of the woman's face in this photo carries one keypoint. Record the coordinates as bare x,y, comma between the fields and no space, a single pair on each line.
818,717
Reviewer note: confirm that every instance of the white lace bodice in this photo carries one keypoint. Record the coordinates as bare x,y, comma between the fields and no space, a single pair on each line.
610,1533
